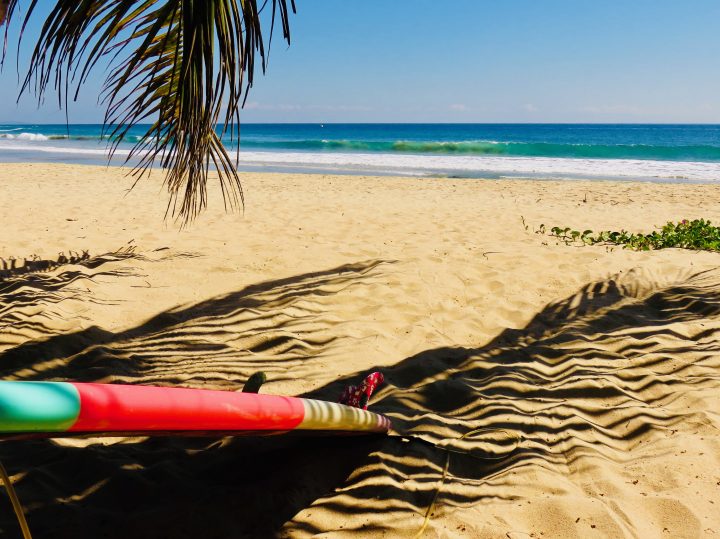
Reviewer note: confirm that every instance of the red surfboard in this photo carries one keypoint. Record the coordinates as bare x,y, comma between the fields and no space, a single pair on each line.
56,409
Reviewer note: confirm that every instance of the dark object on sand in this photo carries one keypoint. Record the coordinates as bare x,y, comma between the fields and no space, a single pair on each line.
254,383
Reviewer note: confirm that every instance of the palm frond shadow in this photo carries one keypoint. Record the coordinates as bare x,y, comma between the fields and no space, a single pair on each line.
273,326
31,299
592,375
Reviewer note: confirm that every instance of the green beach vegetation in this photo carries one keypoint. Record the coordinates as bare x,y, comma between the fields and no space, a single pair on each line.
697,235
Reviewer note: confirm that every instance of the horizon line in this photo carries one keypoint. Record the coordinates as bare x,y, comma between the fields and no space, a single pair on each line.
14,122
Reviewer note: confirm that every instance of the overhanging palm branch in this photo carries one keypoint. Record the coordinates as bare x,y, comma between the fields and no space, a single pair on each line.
184,66
3,10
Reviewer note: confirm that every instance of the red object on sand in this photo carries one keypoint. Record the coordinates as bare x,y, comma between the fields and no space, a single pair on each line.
359,396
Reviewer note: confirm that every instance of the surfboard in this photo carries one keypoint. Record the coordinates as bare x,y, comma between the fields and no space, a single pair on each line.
57,409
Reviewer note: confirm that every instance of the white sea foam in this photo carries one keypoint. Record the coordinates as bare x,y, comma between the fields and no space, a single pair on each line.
546,167
24,136
70,150
462,165
31,136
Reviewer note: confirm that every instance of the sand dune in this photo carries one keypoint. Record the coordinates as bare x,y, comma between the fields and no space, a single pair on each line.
537,389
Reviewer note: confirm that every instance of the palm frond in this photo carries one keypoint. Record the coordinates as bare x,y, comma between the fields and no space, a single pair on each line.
184,66
3,10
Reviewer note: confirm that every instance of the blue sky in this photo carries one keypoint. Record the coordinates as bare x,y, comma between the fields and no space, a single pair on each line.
468,61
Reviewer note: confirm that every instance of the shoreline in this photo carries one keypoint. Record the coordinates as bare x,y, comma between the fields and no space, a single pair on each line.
593,370
660,153
698,173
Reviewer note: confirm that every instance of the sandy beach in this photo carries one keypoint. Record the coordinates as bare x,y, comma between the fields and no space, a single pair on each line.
536,389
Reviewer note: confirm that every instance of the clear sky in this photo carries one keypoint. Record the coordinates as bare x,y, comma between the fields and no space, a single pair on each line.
469,61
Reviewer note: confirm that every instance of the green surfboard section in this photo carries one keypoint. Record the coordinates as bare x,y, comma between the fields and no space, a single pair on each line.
38,406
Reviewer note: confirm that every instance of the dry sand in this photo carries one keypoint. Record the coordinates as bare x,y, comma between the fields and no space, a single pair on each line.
588,378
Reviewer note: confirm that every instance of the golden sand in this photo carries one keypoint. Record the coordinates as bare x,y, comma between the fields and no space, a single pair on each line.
537,389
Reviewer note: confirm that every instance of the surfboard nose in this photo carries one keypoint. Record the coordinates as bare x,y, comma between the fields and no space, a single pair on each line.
38,406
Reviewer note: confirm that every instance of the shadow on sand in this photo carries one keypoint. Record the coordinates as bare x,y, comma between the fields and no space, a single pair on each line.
596,373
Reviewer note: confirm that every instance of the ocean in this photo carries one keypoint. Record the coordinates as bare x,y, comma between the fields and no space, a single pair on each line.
678,153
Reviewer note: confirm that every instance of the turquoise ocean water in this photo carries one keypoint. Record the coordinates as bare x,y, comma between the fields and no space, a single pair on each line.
654,152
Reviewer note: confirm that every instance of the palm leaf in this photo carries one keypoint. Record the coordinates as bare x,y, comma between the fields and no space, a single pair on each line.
184,66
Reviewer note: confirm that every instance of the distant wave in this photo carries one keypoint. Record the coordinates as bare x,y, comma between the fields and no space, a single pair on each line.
511,149
24,136
5,135
700,152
